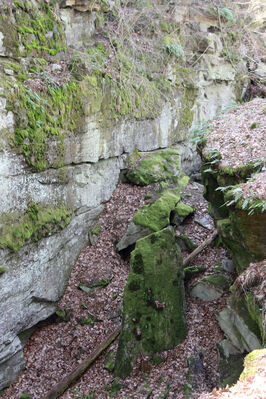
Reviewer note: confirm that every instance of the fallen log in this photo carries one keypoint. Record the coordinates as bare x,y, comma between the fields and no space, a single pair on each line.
65,383
200,248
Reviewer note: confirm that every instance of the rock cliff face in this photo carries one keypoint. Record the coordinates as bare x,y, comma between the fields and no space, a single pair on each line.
77,95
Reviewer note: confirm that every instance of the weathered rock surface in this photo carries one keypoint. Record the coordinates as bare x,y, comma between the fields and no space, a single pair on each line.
63,140
239,328
35,279
134,232
210,287
153,314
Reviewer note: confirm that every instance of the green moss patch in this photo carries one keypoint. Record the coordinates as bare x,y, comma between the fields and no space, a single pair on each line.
163,165
244,236
37,222
39,29
109,363
193,271
96,230
183,209
219,280
253,361
41,116
156,216
185,243
153,317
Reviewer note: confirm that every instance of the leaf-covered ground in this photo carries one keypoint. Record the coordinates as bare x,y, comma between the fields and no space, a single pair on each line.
240,135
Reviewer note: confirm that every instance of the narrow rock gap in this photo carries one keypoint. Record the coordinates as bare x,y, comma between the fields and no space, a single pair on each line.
86,317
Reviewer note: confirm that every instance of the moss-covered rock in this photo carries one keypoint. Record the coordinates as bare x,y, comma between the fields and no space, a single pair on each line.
153,316
233,188
229,370
192,271
32,30
2,270
38,221
156,216
186,243
180,212
162,165
253,361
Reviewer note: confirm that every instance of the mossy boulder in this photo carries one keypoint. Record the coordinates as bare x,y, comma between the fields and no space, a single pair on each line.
109,363
180,212
153,315
230,370
156,216
211,287
157,166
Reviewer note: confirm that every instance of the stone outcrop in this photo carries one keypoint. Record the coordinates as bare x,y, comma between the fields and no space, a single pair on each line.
235,188
153,305
67,125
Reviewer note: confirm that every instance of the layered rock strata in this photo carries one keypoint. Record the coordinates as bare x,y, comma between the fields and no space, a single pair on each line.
68,122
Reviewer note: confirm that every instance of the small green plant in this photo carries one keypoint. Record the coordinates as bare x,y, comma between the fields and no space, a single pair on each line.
200,134
234,196
25,396
63,315
175,50
222,12
213,159
115,296
226,14
86,321
253,125
96,230
2,269
148,196
103,283
114,388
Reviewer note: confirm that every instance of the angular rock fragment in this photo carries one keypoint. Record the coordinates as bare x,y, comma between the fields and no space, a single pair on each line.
211,287
238,326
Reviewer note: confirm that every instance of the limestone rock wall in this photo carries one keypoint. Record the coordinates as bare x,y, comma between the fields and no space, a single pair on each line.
68,122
